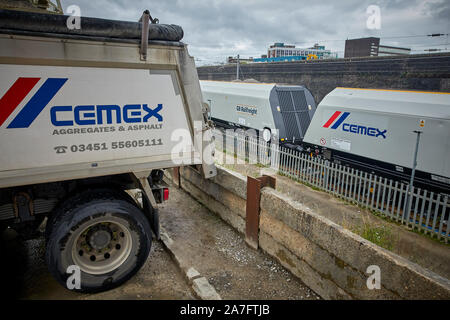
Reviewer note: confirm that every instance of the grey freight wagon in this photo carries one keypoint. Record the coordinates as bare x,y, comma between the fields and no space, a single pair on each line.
264,107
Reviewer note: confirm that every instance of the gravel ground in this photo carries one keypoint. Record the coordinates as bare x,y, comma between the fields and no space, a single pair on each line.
220,254
159,278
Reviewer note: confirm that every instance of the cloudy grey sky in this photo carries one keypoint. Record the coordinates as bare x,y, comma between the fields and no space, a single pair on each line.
215,29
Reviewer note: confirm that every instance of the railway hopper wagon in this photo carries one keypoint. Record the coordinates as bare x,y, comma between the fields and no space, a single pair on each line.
265,107
376,130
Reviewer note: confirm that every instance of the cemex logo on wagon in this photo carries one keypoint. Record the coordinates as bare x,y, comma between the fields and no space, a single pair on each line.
66,115
339,117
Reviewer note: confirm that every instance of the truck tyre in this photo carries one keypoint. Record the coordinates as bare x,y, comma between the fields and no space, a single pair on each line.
89,194
107,238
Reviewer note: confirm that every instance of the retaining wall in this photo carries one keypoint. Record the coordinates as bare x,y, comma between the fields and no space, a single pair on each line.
329,259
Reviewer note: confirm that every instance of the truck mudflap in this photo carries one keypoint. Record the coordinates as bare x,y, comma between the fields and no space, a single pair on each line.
153,216
149,203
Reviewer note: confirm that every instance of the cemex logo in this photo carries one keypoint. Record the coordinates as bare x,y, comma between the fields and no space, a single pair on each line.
339,117
18,91
80,115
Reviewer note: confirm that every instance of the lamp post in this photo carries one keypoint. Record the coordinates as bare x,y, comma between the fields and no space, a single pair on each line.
413,173
237,68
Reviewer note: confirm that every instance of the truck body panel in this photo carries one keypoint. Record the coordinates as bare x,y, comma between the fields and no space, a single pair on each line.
94,90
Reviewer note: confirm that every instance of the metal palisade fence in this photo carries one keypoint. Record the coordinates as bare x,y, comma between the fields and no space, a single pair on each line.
429,211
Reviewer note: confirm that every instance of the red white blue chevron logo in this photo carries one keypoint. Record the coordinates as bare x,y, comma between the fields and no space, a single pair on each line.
336,115
339,117
19,91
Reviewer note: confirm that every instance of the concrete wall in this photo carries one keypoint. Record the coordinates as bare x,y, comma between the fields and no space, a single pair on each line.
225,194
329,259
415,72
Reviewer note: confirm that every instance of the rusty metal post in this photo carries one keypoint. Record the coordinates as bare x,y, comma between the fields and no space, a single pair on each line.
176,176
254,187
252,212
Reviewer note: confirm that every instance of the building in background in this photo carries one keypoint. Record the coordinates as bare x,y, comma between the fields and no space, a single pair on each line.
371,47
241,60
282,50
279,52
392,51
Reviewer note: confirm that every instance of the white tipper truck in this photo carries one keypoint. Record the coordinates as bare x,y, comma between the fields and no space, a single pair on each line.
86,115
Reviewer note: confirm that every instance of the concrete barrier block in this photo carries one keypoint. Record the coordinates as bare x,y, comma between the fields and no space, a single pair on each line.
234,219
232,181
192,274
400,276
323,262
228,198
322,286
204,289
227,179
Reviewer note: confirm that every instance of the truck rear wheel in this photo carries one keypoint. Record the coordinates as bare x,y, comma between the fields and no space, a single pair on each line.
109,239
